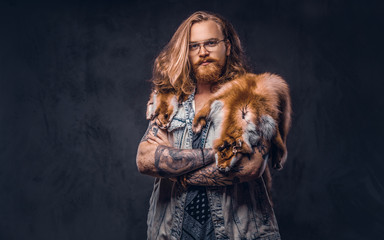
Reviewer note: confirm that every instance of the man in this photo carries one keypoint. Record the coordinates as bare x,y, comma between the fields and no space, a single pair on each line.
191,198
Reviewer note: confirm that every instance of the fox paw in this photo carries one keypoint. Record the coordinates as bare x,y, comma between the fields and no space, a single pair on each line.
162,120
162,108
198,125
229,152
226,166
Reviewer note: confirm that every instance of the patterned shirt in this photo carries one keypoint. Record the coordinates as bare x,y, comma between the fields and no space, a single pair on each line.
197,224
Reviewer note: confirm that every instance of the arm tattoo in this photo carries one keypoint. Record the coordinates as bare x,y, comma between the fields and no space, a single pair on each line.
211,176
171,162
152,127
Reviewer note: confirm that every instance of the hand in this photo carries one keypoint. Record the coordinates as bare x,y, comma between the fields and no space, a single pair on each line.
159,137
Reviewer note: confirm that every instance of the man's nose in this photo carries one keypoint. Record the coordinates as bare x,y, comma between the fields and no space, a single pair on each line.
202,51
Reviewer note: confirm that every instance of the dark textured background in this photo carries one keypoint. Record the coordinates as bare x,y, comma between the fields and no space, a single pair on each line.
73,92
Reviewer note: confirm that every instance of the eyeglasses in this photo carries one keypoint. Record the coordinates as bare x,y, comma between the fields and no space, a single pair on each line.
209,45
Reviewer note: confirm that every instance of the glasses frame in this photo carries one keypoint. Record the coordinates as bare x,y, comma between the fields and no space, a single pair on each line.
204,43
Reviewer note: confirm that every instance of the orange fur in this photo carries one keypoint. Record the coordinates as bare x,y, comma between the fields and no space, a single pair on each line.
248,110
161,108
246,100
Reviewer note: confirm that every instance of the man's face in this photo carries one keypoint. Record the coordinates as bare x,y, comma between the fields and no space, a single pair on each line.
207,64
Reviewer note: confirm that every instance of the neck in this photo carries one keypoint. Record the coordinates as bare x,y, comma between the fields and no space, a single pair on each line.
203,88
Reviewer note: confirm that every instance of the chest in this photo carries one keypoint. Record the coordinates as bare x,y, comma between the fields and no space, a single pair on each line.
200,101
180,129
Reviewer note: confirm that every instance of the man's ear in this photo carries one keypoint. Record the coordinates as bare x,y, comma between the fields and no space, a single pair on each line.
228,45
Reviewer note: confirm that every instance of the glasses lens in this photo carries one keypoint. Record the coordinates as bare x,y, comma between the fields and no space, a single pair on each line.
210,45
194,47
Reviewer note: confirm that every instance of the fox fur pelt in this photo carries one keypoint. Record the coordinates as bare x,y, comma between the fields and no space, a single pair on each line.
246,111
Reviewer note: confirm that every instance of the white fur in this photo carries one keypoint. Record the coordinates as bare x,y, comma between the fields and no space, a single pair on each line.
175,105
266,127
250,135
217,115
151,107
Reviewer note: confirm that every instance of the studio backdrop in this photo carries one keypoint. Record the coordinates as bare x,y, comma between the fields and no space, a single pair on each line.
74,83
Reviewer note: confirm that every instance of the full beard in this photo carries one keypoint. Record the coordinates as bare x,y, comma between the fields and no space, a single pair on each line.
210,73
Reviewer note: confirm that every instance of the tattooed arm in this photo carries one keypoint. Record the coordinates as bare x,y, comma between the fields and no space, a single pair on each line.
171,162
247,169
156,157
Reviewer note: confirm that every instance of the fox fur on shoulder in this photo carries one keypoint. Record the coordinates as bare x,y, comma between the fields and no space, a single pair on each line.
246,111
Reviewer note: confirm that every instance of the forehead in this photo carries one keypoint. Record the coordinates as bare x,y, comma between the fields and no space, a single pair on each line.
205,30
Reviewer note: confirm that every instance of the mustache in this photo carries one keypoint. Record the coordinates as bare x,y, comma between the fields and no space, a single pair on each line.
209,59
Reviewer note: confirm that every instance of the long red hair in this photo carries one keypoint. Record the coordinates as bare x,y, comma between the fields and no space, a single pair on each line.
172,69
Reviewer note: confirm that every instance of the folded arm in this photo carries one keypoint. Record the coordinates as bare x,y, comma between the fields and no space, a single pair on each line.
156,157
248,168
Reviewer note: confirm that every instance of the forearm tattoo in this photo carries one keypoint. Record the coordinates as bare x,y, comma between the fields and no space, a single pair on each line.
171,162
211,176
152,128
